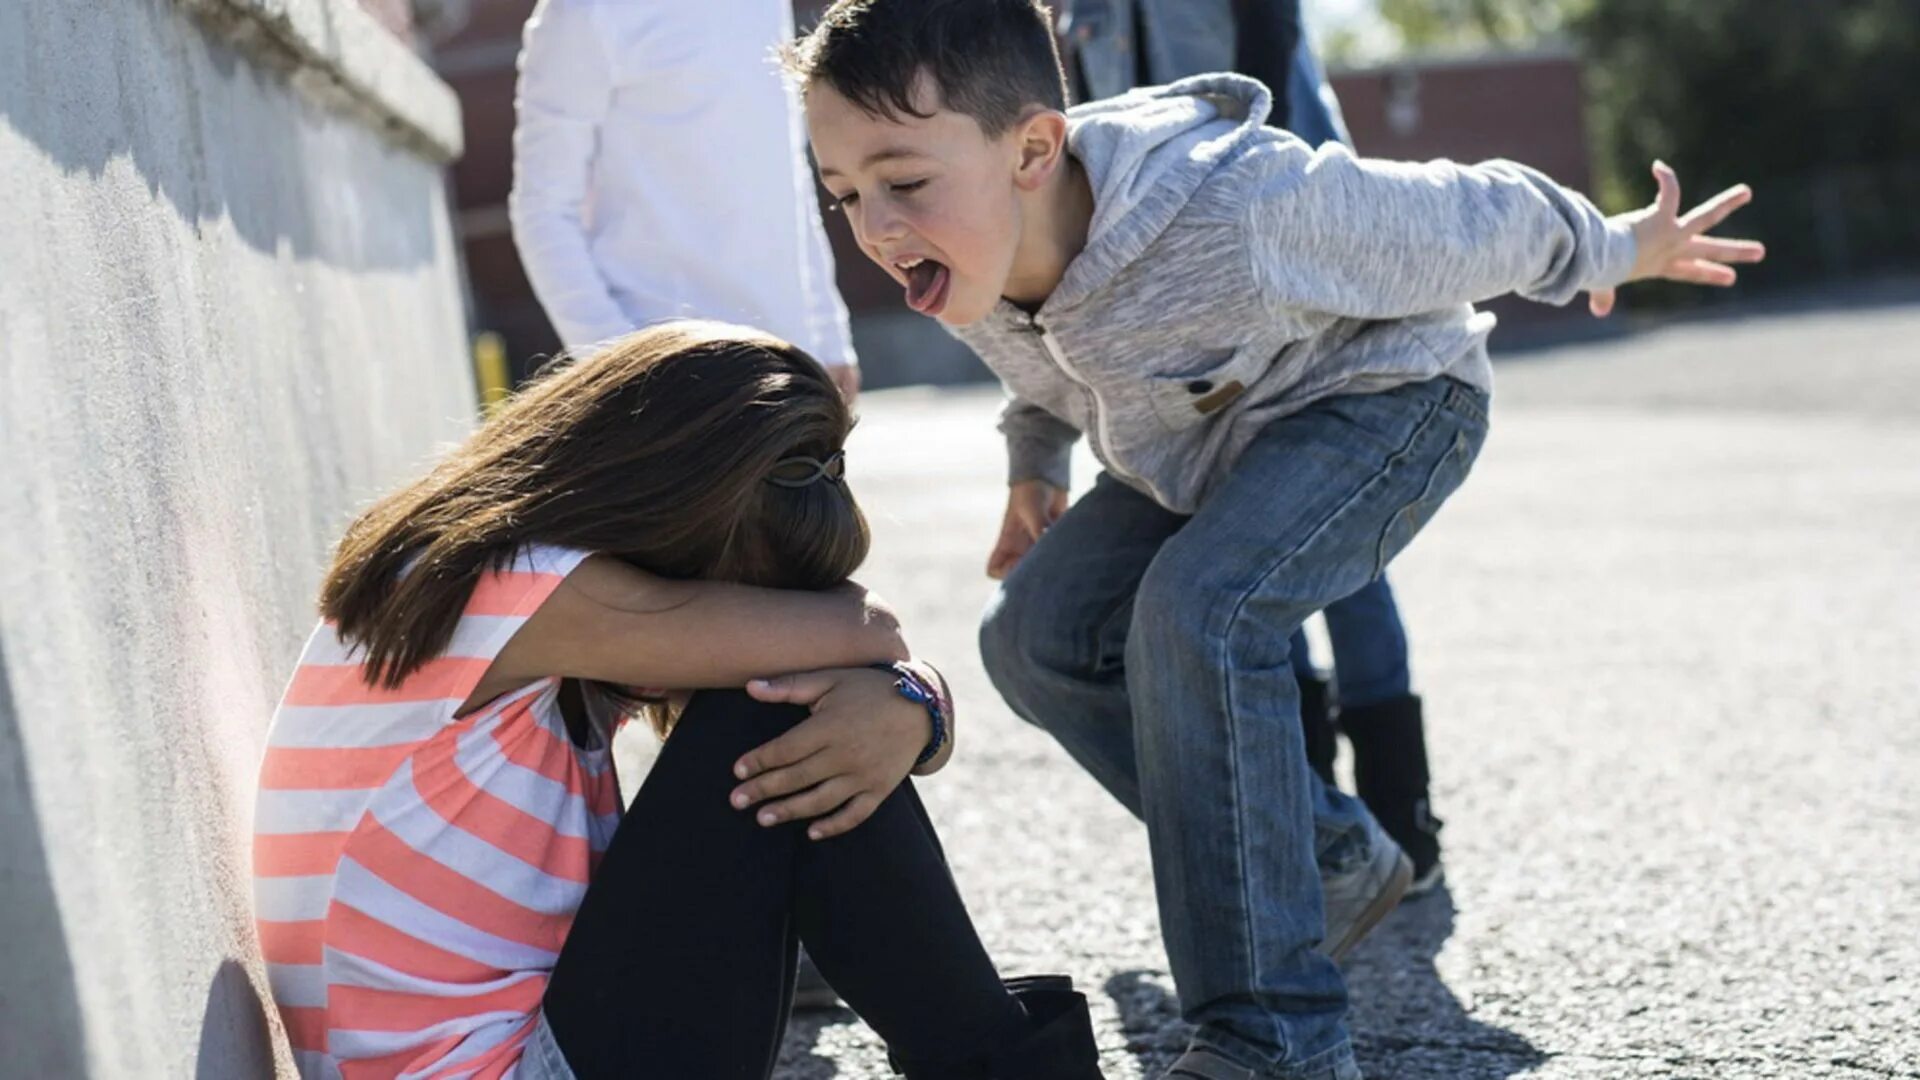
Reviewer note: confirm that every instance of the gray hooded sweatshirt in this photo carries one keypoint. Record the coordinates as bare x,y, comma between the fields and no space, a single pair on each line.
1233,275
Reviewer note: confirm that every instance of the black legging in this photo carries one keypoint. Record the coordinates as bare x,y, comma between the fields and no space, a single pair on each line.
681,959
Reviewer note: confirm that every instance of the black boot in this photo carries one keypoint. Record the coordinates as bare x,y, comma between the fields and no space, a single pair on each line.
1390,770
1058,1046
1316,726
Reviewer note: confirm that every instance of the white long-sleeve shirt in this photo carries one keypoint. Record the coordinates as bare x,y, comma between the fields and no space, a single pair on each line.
660,171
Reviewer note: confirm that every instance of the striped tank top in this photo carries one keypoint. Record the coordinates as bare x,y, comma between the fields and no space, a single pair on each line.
415,874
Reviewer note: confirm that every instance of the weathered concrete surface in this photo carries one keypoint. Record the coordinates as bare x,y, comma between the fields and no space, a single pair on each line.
228,313
1667,636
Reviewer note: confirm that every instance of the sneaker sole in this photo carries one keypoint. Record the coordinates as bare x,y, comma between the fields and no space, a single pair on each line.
1425,884
1381,907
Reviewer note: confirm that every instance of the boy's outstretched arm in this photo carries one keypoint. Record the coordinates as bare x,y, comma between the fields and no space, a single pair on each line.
1371,239
1676,247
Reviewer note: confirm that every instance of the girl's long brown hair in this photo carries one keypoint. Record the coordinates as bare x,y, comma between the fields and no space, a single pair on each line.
657,449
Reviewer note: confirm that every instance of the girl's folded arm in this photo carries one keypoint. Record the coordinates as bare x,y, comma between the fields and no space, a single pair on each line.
611,622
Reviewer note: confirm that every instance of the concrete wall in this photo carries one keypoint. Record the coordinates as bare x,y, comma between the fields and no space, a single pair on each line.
229,312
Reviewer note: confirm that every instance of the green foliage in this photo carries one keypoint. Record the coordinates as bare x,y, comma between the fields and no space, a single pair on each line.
1442,24
1809,102
1813,102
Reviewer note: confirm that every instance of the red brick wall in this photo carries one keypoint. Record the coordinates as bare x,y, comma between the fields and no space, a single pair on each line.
1528,109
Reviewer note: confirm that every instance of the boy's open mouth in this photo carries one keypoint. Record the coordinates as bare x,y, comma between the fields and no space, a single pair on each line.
927,284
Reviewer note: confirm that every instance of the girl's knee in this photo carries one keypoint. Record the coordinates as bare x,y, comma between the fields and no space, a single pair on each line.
732,721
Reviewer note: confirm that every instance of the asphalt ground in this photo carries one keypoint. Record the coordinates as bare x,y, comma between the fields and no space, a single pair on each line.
1667,636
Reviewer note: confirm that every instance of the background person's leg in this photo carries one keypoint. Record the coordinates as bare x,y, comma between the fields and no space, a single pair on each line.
1369,646
1316,708
1383,721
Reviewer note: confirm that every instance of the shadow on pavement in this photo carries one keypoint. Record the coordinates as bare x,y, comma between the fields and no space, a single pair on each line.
1149,1018
1407,1024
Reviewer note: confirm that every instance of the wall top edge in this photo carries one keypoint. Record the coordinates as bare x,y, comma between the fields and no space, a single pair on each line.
341,53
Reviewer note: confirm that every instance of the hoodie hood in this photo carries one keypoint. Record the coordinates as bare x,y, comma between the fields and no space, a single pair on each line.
1146,152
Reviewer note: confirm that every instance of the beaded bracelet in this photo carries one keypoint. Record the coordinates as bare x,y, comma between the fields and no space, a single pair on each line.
913,686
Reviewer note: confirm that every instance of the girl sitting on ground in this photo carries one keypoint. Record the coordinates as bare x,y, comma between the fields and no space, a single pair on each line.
446,884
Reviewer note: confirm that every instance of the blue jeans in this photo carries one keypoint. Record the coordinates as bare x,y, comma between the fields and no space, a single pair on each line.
1154,647
1369,642
1369,647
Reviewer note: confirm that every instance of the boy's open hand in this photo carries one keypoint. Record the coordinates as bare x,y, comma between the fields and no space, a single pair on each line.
1032,508
1677,248
840,763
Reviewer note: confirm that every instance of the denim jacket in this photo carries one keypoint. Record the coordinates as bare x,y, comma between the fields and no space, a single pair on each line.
1264,39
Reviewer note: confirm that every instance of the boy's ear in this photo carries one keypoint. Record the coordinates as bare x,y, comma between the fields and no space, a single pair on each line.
1040,141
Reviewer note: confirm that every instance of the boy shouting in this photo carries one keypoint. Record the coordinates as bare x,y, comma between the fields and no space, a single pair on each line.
1272,352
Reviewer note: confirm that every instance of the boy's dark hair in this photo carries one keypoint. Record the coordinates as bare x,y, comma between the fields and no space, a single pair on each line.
989,59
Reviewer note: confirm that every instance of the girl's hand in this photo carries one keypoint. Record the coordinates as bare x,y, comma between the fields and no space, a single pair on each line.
840,763
1677,248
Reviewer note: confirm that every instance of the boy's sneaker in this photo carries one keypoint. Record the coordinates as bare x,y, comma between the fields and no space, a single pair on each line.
1202,1063
1357,899
1206,1063
1390,772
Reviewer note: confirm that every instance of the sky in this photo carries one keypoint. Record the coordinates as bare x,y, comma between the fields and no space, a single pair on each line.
1362,17
1328,12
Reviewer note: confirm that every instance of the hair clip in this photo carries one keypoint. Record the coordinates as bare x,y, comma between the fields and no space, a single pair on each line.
787,472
